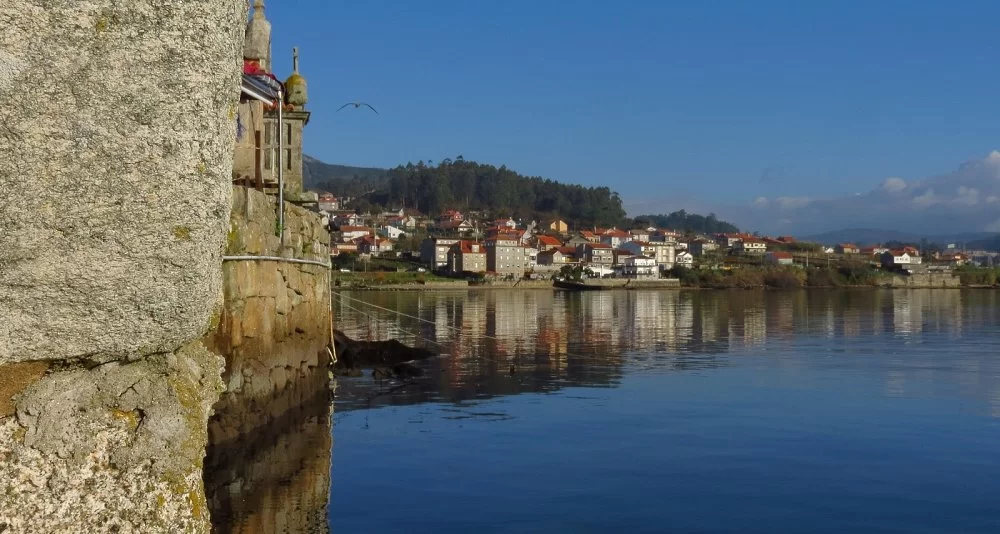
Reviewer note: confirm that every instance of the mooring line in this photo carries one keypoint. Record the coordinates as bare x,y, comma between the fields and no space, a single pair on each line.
456,329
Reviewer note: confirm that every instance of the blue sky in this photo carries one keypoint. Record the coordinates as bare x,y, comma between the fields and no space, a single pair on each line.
701,104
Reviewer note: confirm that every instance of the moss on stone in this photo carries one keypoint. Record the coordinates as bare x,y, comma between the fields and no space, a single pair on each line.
232,239
182,232
131,417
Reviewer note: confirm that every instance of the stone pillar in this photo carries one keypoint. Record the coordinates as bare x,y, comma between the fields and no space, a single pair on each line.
117,131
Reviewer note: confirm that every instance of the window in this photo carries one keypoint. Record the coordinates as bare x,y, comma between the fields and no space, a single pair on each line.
288,160
288,133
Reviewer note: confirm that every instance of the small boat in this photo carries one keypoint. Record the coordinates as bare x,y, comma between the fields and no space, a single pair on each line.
577,286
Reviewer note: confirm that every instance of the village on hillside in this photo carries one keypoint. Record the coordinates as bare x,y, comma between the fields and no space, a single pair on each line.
484,246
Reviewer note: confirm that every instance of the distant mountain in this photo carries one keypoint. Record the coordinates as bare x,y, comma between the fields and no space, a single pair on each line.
339,179
873,236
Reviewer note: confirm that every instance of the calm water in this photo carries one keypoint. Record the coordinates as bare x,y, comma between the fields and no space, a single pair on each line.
861,411
658,411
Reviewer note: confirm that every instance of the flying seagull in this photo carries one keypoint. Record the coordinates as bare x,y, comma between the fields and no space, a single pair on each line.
357,105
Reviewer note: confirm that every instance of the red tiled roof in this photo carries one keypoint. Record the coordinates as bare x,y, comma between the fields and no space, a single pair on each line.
355,229
466,247
548,240
782,255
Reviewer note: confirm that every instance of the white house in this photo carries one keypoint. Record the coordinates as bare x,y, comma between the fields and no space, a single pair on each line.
350,233
404,222
639,267
328,202
899,258
751,246
662,252
347,219
370,245
391,232
684,258
615,238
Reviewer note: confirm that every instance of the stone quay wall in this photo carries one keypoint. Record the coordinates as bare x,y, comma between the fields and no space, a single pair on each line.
117,129
927,280
275,324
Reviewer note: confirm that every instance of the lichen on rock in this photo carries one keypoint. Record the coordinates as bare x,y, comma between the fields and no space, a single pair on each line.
119,444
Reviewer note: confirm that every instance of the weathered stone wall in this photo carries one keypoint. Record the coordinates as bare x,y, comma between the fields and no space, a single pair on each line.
275,324
117,130
926,280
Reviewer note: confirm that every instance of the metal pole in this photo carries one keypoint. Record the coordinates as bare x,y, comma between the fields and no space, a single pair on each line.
281,169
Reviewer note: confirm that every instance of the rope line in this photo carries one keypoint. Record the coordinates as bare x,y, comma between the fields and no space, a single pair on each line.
455,329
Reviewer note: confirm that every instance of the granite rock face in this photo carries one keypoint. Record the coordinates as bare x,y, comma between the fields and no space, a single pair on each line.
117,130
116,448
117,127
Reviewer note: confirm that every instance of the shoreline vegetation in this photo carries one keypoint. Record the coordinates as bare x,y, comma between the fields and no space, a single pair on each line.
775,277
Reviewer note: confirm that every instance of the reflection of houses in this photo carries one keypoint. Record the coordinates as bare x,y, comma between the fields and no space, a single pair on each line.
467,256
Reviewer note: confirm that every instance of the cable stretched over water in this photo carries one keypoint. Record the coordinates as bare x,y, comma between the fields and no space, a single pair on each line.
436,324
397,312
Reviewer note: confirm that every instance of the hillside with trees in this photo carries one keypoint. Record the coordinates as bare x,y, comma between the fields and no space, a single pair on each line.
687,222
341,180
467,185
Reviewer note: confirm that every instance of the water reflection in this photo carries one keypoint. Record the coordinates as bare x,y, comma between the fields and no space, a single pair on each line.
267,467
508,342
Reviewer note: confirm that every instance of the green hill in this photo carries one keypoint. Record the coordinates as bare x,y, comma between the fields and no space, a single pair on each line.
339,179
